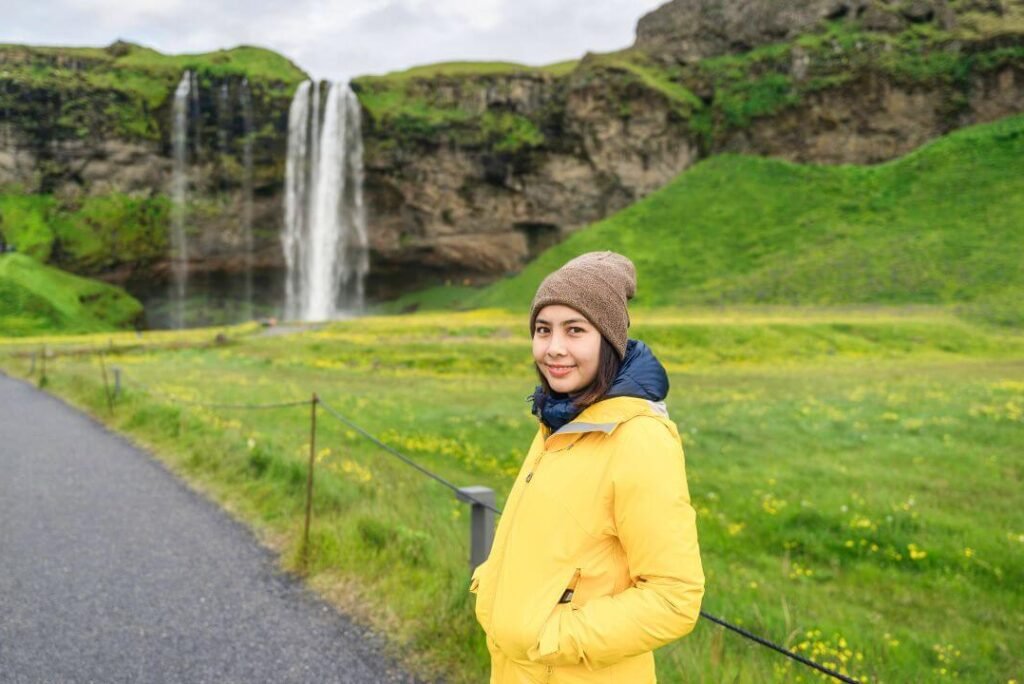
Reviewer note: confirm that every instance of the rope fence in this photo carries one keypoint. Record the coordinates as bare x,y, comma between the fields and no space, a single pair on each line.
480,498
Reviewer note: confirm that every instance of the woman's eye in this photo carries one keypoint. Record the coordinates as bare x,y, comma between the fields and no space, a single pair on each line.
541,330
577,330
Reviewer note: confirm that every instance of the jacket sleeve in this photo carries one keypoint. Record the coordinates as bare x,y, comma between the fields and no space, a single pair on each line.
656,526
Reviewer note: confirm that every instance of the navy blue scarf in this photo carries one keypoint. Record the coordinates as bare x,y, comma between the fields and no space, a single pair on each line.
640,375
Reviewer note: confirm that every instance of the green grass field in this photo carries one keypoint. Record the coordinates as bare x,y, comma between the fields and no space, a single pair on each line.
856,470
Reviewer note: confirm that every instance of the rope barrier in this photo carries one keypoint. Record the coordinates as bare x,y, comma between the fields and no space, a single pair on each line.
780,649
408,461
463,495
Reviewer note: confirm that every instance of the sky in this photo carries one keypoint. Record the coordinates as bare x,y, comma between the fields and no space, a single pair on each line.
341,38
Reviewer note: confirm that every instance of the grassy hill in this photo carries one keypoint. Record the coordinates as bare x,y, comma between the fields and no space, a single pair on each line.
36,299
941,225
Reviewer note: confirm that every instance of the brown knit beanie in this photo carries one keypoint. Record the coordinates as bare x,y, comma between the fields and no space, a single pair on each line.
598,285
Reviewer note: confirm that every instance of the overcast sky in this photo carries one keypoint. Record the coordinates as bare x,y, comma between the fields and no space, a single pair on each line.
337,39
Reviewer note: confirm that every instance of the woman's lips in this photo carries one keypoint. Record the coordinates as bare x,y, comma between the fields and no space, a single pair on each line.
559,371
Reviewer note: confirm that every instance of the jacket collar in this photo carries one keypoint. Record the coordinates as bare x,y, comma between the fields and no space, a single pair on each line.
603,416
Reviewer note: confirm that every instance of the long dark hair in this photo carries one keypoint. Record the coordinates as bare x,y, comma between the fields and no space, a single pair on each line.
607,368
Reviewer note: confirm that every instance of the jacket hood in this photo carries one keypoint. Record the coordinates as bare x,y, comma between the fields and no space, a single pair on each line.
641,375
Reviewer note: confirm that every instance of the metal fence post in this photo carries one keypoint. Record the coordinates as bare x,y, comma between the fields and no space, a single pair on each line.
309,481
42,376
106,383
481,525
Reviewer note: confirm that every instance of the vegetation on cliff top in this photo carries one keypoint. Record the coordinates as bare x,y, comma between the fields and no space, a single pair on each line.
710,97
417,105
767,80
121,86
470,69
141,71
36,299
938,226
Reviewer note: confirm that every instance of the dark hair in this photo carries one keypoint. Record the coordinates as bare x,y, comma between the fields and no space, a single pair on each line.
607,368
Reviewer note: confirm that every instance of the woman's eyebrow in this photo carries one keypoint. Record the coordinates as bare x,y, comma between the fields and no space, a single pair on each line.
568,322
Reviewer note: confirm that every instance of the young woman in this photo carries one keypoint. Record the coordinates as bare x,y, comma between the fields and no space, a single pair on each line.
595,560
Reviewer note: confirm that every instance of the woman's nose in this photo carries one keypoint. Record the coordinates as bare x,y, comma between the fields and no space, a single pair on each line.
556,347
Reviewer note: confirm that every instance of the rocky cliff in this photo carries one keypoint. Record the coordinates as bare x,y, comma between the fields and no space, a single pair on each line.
472,169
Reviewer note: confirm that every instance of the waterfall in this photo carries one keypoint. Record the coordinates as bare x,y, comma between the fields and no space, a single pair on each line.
179,196
355,262
296,175
195,114
223,120
245,96
324,237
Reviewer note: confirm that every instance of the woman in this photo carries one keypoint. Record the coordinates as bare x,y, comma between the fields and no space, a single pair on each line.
595,560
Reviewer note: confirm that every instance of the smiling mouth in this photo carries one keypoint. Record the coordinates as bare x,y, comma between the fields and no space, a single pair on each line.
559,369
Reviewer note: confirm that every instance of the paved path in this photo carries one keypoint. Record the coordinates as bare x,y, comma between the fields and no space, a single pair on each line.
111,570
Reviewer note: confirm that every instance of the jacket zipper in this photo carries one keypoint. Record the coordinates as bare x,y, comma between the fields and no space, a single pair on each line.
508,535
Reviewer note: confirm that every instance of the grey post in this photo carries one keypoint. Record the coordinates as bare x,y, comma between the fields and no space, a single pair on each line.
481,524
117,382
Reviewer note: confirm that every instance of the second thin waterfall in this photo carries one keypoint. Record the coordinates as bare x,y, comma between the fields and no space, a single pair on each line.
324,237
179,198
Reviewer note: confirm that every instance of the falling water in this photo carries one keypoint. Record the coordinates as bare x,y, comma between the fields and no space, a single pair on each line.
179,195
223,120
296,176
324,238
327,191
195,114
355,261
245,96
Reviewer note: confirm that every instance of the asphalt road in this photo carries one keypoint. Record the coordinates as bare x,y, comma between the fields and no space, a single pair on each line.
112,570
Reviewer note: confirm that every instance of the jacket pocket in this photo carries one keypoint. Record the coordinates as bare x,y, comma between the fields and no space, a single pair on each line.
548,648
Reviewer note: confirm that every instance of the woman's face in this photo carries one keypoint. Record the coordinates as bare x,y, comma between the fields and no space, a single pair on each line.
566,347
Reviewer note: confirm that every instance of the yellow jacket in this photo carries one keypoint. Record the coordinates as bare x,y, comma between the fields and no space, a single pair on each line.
600,506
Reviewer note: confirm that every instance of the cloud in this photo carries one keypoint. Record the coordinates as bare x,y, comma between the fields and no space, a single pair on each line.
330,39
119,12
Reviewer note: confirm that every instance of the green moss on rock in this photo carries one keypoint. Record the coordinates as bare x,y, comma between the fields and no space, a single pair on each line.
88,236
38,299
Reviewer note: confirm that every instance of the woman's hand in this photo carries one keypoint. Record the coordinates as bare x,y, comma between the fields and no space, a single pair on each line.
554,645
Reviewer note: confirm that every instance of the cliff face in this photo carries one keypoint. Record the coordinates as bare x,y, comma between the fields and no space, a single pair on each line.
472,169
531,157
